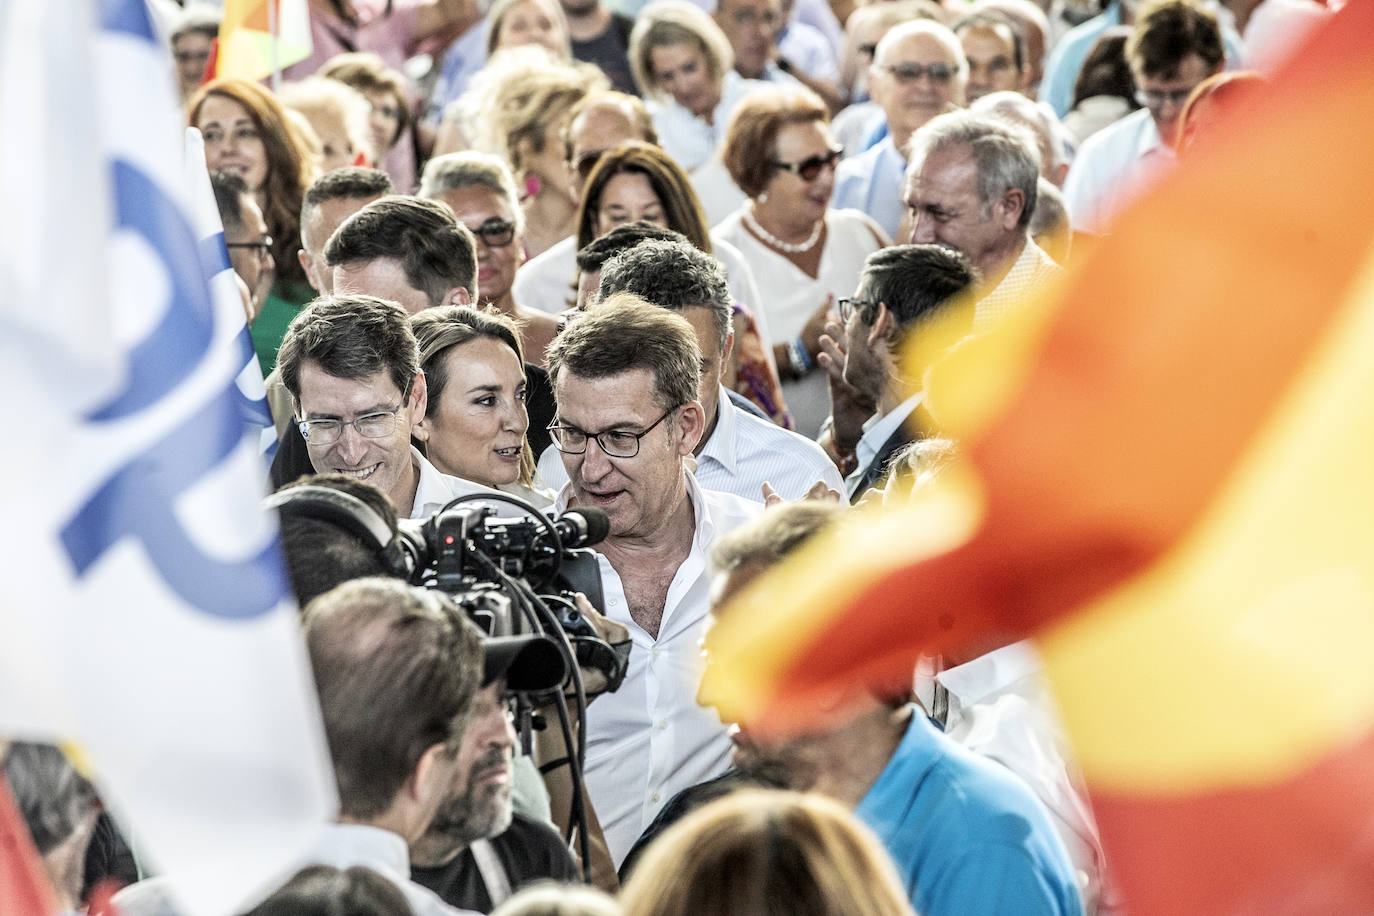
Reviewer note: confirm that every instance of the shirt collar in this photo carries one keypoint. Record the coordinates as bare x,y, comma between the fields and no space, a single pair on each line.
435,489
877,430
722,447
989,673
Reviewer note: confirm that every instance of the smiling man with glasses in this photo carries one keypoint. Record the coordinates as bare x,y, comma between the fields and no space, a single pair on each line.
626,380
352,367
918,72
1175,44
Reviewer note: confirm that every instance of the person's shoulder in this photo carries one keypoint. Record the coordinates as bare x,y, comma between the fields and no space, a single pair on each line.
538,844
729,510
850,223
859,165
757,434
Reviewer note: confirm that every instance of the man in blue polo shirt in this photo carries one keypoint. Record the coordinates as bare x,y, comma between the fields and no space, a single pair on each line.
967,835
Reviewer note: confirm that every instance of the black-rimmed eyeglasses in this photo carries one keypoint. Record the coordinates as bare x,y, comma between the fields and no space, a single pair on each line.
809,168
849,307
616,443
939,72
495,232
262,245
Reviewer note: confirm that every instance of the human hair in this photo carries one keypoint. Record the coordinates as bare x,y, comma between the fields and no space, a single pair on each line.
681,207
455,171
518,96
750,139
1167,31
396,667
549,898
323,890
914,281
350,337
52,797
774,535
352,182
676,22
672,275
598,251
624,333
320,554
1049,225
1005,155
933,28
366,72
496,17
196,20
630,106
439,330
1051,139
230,190
766,853
290,166
1105,70
436,252
318,95
991,20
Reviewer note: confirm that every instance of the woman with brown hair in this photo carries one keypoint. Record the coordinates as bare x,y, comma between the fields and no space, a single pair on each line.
639,181
247,133
766,853
780,152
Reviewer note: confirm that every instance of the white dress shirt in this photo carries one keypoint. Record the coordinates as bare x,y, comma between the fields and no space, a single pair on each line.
877,430
1111,168
436,489
650,740
743,452
1001,708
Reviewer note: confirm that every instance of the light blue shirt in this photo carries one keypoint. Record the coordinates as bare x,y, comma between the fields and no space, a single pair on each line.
872,182
967,836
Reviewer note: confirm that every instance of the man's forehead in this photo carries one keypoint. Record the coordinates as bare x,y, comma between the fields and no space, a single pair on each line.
951,170
920,48
627,395
999,32
323,392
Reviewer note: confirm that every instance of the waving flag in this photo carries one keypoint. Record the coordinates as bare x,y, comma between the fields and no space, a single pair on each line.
260,37
224,292
1168,482
145,610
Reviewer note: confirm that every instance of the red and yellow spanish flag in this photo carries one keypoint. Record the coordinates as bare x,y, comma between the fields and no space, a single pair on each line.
24,888
245,49
1169,484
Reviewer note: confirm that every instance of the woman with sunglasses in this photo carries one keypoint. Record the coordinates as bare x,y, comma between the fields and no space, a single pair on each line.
480,190
780,152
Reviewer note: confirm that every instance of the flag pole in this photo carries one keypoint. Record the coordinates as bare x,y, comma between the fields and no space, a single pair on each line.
274,26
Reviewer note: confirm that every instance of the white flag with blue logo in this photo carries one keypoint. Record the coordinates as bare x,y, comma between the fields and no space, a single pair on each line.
145,608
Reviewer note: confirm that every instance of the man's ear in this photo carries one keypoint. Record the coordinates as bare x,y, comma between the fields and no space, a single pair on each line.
726,352
1009,207
884,328
430,776
691,421
419,399
459,295
304,257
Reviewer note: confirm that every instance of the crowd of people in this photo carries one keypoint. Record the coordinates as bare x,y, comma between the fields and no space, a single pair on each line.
662,261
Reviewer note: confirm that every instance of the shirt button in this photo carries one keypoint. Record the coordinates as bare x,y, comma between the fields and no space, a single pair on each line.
615,602
662,724
654,798
654,652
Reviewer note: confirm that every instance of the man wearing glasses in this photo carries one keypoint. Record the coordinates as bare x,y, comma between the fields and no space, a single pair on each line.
902,288
627,384
246,238
918,72
1174,46
352,367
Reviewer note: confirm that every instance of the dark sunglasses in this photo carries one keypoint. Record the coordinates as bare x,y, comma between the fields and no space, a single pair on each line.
495,232
910,73
809,168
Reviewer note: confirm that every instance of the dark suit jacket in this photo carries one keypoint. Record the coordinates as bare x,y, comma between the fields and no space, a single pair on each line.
876,468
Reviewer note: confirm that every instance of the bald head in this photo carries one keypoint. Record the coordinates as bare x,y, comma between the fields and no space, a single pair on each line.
919,71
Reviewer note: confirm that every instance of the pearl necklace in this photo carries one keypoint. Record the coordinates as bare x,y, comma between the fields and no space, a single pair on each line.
771,239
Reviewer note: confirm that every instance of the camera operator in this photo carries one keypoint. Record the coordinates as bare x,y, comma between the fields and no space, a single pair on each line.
626,384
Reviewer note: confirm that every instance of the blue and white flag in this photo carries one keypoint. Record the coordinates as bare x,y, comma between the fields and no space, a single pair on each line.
145,609
225,293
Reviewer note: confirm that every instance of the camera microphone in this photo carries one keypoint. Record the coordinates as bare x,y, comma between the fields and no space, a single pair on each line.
580,527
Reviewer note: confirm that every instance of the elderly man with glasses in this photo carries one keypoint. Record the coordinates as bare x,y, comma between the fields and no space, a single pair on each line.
627,384
918,72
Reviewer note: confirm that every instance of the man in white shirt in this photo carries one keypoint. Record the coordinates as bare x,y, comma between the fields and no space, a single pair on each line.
1174,46
626,380
738,452
901,289
919,71
972,185
352,367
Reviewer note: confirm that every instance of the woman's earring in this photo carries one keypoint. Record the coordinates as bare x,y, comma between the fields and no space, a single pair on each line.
763,198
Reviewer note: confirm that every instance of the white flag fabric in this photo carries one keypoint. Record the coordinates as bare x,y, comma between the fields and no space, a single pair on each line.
224,292
145,609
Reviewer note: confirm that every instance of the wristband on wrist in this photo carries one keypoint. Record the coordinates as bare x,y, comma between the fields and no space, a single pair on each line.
800,359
